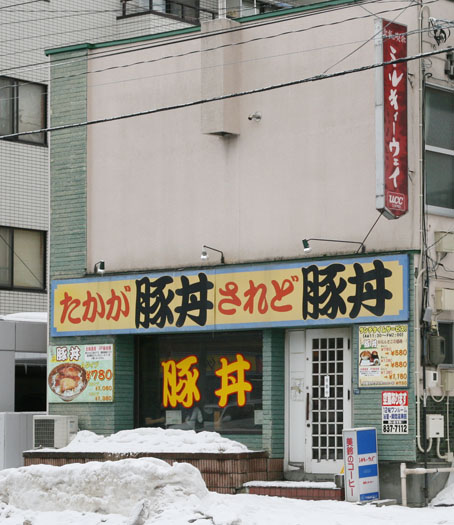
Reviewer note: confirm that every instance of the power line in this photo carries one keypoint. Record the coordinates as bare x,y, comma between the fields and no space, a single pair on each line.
291,83
23,3
257,39
20,258
142,46
371,38
264,57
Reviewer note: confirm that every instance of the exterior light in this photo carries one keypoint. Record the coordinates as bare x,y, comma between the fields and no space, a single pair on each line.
100,267
204,255
307,248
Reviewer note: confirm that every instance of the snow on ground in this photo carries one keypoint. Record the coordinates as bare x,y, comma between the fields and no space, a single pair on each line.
154,440
148,491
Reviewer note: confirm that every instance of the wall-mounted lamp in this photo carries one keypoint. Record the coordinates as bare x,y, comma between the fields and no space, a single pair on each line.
257,116
204,255
100,268
307,248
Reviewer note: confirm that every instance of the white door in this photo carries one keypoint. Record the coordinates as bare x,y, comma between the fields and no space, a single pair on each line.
319,400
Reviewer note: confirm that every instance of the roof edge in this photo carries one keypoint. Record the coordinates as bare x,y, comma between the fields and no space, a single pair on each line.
195,29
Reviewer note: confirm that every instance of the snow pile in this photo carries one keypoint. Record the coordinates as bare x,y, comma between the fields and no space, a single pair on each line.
126,487
153,440
446,496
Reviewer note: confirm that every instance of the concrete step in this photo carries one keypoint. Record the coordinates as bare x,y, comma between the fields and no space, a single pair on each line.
306,490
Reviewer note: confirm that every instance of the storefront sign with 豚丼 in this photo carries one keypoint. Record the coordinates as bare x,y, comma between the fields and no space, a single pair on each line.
394,412
344,291
383,355
361,464
80,374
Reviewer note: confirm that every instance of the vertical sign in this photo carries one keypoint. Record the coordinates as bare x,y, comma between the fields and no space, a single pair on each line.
394,406
391,120
361,464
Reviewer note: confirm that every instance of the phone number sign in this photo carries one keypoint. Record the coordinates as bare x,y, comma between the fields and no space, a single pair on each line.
394,407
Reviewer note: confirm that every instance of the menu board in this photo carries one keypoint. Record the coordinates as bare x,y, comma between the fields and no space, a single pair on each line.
80,374
383,355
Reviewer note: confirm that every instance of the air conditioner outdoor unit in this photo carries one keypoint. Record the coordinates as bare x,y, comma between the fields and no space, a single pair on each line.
53,431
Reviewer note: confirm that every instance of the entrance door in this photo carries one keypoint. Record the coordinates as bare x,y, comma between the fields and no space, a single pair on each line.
319,378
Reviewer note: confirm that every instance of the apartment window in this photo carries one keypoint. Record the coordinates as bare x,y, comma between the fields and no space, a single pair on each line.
22,108
22,259
439,151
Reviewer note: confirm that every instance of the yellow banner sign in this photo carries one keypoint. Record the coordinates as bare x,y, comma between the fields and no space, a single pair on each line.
268,295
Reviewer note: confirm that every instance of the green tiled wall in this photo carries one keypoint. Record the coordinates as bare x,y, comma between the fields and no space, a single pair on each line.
367,403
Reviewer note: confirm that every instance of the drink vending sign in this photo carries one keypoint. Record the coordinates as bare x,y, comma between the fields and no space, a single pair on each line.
361,464
383,355
394,412
80,373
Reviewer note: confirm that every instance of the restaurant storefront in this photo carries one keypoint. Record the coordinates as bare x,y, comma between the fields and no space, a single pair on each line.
281,356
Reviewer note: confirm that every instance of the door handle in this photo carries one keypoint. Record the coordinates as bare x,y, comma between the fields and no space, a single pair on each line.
348,394
307,406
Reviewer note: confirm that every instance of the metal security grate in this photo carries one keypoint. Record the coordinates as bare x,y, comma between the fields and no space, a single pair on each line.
327,398
44,433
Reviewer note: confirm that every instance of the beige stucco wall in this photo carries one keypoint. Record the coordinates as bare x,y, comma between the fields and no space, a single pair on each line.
159,188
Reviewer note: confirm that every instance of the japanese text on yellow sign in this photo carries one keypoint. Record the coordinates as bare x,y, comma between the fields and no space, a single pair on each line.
293,294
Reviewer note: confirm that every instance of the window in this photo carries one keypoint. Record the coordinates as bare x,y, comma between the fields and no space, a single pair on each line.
187,10
22,108
162,372
439,151
22,259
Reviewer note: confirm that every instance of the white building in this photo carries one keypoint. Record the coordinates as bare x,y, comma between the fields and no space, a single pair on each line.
27,29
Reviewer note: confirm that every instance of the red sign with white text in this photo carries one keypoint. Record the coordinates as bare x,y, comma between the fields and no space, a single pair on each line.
395,120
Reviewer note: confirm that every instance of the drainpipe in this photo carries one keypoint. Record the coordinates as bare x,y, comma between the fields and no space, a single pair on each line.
422,332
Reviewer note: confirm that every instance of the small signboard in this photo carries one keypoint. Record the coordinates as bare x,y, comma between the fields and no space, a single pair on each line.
80,373
383,356
394,412
361,464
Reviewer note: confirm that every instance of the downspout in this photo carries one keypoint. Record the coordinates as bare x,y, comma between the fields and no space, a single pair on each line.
421,334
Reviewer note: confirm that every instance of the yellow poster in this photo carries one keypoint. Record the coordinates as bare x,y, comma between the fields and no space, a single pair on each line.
269,295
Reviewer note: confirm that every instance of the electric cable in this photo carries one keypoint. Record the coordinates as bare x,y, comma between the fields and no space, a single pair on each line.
23,3
19,257
264,89
371,38
370,231
188,53
264,57
142,46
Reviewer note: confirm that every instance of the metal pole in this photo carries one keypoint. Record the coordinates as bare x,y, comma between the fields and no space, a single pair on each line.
403,483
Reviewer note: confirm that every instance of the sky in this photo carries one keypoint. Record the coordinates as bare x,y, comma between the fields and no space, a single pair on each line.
149,491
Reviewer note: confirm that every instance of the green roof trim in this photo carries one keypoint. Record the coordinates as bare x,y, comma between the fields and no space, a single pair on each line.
124,41
195,29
